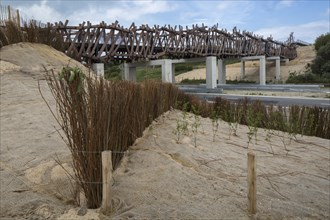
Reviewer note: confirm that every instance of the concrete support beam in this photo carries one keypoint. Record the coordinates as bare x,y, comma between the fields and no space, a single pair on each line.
129,72
262,67
242,75
166,64
173,73
278,70
167,71
98,68
277,67
211,67
252,58
262,63
189,60
221,72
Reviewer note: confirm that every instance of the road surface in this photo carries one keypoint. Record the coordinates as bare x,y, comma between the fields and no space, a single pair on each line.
211,94
270,100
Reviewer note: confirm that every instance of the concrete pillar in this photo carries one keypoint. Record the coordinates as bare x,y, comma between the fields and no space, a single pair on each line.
278,69
242,69
129,72
221,72
262,63
211,68
167,71
173,73
98,68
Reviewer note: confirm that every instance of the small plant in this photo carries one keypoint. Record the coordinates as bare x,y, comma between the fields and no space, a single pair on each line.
237,115
215,122
269,130
178,130
182,123
292,122
196,123
253,122
233,116
73,75
185,117
227,118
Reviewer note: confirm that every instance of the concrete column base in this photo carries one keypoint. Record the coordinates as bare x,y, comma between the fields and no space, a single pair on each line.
167,71
277,67
98,68
262,65
262,70
211,66
221,72
242,75
129,72
278,70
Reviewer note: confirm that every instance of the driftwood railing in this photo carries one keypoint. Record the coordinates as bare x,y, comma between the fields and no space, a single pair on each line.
102,42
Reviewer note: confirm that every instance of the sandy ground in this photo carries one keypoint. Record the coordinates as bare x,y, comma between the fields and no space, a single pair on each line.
160,177
305,55
31,181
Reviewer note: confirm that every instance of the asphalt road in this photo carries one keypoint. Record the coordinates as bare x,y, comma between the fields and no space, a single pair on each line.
270,100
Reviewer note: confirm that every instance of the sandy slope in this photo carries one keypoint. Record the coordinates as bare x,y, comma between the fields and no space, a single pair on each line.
159,177
305,56
31,181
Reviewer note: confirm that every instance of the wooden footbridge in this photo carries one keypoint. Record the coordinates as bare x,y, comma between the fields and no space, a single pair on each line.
103,42
165,46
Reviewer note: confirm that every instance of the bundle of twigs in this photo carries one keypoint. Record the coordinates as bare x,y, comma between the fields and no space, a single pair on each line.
32,32
97,115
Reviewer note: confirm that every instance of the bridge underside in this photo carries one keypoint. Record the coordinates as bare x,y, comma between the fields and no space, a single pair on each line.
215,69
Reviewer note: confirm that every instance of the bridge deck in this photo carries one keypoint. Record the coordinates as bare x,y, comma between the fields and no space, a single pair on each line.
102,42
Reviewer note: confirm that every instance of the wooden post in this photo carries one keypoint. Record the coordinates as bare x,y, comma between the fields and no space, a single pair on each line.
9,14
18,19
106,179
252,181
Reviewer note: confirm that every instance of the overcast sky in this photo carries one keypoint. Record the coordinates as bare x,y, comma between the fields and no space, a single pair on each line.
307,19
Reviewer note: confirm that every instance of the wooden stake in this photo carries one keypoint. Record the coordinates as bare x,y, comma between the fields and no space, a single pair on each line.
18,19
106,178
9,13
252,181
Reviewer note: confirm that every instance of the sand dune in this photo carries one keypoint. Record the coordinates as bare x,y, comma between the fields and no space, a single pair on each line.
160,177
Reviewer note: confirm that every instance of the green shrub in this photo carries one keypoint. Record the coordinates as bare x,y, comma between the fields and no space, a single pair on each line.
306,78
321,41
321,64
112,71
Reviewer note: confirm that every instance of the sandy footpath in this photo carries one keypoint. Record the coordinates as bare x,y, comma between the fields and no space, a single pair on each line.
160,177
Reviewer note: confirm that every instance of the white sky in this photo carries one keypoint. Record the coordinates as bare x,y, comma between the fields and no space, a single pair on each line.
307,19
